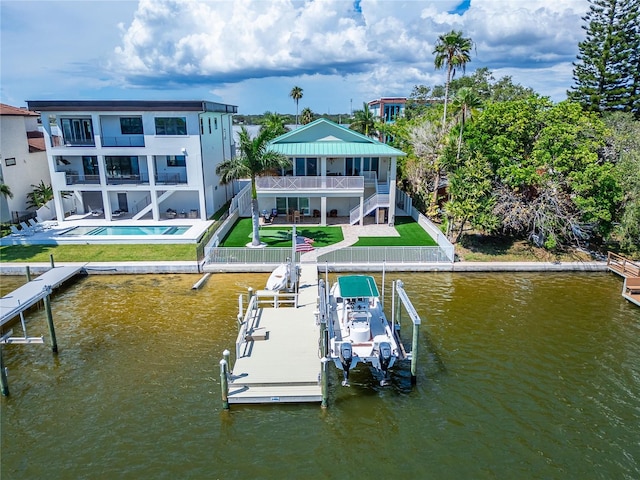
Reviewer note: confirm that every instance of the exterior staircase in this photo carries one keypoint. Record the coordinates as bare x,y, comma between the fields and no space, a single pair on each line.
380,199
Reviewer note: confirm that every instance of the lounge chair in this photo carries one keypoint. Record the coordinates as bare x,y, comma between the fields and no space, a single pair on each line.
46,224
26,227
19,233
35,226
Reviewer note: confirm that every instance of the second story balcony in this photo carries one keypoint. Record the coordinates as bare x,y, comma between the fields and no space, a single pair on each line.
318,184
128,179
123,141
80,179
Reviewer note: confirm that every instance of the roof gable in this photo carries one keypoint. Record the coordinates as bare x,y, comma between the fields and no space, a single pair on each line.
323,137
15,111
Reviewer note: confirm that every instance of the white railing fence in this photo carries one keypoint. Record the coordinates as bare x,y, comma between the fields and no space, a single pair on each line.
241,255
242,201
309,183
378,255
374,201
220,234
436,234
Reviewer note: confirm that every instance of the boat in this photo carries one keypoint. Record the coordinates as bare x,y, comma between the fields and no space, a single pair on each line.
279,278
358,329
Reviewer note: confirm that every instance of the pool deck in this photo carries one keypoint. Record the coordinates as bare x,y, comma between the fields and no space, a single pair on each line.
55,234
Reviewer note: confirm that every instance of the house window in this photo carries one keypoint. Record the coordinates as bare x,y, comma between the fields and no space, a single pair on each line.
370,164
176,161
201,126
77,131
285,204
131,125
215,123
171,126
9,161
306,167
122,166
209,124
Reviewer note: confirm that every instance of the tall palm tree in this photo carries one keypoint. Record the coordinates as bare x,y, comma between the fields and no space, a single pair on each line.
254,159
306,116
363,121
464,104
452,50
296,94
5,190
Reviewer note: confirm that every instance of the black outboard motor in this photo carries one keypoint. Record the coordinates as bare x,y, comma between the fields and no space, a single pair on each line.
384,354
346,356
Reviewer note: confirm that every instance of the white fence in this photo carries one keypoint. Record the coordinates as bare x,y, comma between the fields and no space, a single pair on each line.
440,238
241,255
242,201
378,255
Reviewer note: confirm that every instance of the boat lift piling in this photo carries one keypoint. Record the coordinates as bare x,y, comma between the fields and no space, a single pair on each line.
398,288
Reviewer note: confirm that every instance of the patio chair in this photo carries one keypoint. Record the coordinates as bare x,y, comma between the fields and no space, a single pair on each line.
35,226
26,227
46,223
18,233
296,216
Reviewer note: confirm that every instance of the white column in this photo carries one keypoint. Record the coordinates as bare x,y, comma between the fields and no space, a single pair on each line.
392,193
361,210
323,211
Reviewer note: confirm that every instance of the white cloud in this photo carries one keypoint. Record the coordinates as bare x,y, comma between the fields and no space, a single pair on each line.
339,51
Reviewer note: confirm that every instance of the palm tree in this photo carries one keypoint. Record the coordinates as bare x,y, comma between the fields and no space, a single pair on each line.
464,105
273,124
296,94
306,116
255,159
452,50
5,190
40,195
363,121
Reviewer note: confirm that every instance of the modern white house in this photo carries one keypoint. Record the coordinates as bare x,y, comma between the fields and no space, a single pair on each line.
335,172
23,160
134,159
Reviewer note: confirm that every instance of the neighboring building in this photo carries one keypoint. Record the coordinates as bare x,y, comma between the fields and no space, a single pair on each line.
335,172
137,159
387,109
23,160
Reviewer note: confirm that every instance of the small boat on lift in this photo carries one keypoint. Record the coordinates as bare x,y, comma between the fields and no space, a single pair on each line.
358,329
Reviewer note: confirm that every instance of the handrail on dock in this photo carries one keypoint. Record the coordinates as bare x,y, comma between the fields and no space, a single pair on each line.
622,266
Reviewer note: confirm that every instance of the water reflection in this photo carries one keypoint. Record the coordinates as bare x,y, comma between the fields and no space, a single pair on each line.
520,376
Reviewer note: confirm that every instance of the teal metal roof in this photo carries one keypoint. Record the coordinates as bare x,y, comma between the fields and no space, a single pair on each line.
358,286
325,138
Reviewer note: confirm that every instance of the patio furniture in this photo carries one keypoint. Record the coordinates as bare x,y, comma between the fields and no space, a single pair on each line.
18,233
316,213
26,228
296,216
333,213
35,226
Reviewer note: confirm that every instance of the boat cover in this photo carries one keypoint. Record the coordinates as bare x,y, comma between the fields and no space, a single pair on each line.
358,286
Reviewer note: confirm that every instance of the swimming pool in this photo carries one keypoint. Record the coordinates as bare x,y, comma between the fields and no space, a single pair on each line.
125,231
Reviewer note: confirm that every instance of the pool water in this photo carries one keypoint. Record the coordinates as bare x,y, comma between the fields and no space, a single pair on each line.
126,230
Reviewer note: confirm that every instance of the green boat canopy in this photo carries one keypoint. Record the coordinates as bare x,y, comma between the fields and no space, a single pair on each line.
358,286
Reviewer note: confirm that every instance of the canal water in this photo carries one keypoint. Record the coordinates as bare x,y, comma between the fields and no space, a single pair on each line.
523,375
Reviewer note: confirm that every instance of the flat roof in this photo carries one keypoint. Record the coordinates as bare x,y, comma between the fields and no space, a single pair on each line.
130,105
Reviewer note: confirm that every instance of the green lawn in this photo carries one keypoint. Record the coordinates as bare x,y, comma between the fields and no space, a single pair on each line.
98,253
411,235
240,235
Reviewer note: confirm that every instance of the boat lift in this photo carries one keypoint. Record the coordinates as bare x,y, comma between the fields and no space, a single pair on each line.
399,299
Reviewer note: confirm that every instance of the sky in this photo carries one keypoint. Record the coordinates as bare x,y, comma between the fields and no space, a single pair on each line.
251,53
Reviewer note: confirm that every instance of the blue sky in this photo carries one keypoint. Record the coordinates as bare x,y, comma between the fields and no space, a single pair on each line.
250,53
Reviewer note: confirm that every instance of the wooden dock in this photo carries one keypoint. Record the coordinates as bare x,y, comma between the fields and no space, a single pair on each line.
277,352
630,271
22,298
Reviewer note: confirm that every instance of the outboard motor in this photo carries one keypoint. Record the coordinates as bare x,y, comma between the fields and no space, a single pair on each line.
384,354
346,356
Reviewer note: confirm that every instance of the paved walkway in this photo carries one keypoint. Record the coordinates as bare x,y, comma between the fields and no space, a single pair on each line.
351,234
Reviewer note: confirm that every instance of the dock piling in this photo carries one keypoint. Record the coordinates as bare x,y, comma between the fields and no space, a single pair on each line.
4,382
52,331
53,265
224,383
324,374
28,271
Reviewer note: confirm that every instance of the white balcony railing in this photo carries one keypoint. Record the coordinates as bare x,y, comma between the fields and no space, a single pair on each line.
309,183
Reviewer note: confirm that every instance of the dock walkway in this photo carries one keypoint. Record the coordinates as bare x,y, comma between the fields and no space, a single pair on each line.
280,362
630,271
27,295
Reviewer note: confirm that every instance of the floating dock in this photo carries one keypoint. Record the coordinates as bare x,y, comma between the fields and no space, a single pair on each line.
630,271
277,352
